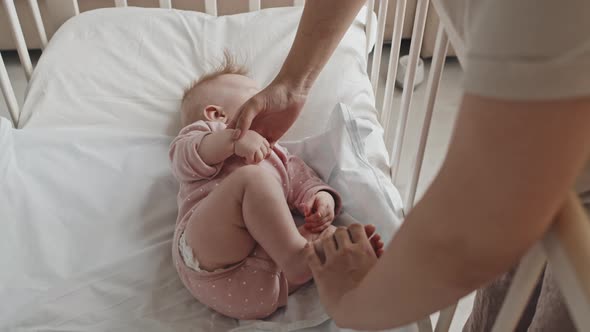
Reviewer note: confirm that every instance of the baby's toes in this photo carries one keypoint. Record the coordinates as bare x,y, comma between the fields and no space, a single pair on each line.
370,230
376,243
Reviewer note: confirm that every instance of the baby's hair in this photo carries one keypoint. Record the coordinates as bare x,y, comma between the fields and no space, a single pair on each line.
229,65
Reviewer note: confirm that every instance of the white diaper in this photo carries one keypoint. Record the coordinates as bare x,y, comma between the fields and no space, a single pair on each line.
187,254
189,258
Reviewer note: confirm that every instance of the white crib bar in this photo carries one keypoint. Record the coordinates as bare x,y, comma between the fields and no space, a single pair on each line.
298,3
8,93
17,34
120,3
211,7
406,100
368,27
166,4
38,22
567,246
76,7
253,5
523,284
379,44
398,26
577,301
445,318
434,76
424,325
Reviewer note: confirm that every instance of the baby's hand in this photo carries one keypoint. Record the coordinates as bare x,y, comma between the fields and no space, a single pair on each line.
319,212
252,147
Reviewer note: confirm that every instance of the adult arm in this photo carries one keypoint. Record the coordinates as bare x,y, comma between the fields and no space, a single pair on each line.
272,111
521,138
508,169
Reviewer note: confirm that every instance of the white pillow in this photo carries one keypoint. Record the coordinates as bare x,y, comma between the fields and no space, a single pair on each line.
338,155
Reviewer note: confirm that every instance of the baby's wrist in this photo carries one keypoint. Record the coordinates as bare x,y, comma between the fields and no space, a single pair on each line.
230,141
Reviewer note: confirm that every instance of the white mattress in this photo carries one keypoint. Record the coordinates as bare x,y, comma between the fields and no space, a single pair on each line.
90,217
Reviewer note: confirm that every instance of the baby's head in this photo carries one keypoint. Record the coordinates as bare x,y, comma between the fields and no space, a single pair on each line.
218,95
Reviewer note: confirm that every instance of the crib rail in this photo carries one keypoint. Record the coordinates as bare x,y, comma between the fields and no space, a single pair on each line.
568,243
8,93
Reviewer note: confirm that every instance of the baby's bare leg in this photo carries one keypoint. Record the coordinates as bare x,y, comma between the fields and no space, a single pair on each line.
216,232
249,206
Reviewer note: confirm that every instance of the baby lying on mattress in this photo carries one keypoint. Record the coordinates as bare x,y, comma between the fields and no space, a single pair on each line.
236,246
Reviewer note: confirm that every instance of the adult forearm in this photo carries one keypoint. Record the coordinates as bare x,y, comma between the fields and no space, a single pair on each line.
216,147
321,28
507,172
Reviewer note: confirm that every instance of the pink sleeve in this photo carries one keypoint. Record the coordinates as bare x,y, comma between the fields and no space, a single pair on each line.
187,165
305,183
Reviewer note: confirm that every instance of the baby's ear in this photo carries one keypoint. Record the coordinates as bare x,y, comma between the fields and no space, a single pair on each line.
214,113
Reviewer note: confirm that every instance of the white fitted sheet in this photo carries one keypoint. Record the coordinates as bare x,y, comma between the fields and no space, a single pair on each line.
91,203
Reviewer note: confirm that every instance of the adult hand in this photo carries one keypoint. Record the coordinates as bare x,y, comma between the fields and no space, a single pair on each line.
271,112
349,257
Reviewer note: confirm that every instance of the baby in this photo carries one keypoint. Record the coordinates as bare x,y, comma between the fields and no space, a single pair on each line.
236,246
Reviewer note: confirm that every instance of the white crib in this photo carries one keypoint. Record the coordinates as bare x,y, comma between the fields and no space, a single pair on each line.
567,245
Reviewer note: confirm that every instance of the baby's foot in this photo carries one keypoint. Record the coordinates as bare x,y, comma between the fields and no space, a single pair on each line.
315,238
312,237
374,239
297,271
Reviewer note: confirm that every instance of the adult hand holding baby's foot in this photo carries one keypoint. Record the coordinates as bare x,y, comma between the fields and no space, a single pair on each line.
348,256
252,147
319,212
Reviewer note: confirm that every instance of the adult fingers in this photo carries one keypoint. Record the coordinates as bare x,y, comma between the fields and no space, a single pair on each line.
329,246
342,238
358,233
243,121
